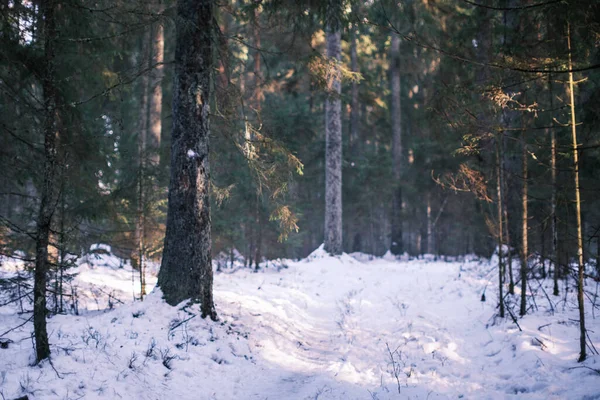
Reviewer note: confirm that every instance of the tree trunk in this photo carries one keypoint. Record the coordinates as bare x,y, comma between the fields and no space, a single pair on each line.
397,246
555,260
63,248
155,99
354,104
582,349
524,245
47,201
511,280
333,145
430,237
186,269
500,223
257,99
142,158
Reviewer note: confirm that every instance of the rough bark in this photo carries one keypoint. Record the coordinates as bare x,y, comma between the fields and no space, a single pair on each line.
47,201
397,246
333,149
186,269
581,265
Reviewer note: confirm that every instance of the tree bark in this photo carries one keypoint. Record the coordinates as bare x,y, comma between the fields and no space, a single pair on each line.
47,201
333,141
186,269
397,246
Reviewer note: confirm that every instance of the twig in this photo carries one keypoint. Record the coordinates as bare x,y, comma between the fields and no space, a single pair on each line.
17,327
177,325
514,319
586,367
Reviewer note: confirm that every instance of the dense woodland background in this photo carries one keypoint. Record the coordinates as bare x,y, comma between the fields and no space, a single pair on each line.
449,79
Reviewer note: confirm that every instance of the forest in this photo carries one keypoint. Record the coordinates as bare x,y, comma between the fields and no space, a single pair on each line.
348,199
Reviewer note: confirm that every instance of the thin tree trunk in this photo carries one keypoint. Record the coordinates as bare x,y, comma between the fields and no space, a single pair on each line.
63,250
333,145
142,147
354,104
186,270
258,249
257,103
524,245
582,349
500,224
430,238
397,246
511,280
543,249
47,201
155,99
553,196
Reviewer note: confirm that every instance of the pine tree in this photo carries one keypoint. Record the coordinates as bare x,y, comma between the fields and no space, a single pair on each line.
333,132
186,269
48,193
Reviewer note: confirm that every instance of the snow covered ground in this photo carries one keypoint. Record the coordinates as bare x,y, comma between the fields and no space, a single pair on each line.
353,327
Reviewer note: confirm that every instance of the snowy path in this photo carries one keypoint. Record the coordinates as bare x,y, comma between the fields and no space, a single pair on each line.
324,328
328,326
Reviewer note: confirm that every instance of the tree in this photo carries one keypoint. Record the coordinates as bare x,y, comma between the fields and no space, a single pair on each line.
397,155
186,269
333,133
48,193
580,262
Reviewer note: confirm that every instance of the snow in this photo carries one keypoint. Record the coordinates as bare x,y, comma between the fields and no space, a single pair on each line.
191,153
100,246
347,327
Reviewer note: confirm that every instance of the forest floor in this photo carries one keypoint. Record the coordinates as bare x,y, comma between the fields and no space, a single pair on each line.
349,327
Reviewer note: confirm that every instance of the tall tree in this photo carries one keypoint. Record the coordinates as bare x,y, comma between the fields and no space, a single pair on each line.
47,201
156,93
186,269
581,265
397,155
354,104
501,267
553,216
525,226
142,140
333,132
